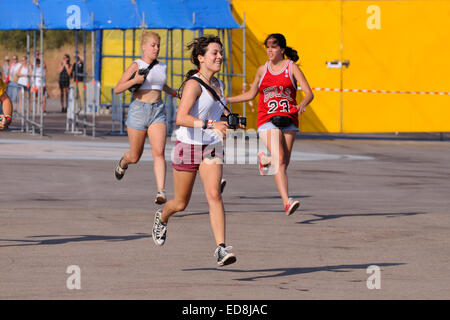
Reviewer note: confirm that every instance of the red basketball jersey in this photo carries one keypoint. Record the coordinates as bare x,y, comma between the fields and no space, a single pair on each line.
277,93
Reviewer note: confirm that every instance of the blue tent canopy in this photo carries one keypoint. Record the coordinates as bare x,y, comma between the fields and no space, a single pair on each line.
63,14
165,14
19,15
211,14
120,14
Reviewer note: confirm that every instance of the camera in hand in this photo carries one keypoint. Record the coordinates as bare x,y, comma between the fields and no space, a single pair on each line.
143,72
234,120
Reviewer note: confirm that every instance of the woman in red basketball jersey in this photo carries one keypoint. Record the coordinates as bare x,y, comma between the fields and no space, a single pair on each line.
277,121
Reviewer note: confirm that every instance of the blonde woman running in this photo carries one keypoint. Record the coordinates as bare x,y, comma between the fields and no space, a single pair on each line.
146,114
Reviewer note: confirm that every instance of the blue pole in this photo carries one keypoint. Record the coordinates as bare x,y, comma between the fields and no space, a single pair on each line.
98,55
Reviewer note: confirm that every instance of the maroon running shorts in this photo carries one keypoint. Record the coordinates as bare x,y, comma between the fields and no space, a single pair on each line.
187,157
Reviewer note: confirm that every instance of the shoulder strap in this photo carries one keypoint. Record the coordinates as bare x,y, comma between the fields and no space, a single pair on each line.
213,92
151,65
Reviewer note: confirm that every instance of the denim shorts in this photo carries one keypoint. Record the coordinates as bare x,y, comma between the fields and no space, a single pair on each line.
142,115
269,125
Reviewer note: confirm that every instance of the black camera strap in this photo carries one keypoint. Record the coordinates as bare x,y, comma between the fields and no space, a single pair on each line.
151,65
213,92
145,71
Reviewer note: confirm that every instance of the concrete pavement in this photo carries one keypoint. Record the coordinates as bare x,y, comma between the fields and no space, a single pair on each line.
364,203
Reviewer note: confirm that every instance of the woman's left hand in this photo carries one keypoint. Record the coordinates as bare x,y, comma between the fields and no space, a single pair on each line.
300,109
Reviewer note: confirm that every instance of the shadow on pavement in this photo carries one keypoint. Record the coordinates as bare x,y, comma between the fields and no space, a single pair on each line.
323,217
283,272
272,197
55,239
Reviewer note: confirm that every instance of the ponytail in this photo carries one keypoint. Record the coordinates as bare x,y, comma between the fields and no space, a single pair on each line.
291,54
280,40
191,72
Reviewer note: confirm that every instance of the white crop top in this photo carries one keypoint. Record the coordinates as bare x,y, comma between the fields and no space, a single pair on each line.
156,78
205,107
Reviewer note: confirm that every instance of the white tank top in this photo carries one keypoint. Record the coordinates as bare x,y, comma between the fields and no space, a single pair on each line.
205,107
156,78
40,78
23,75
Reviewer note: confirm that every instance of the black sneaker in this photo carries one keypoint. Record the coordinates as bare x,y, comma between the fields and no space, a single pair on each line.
159,230
224,257
223,183
119,172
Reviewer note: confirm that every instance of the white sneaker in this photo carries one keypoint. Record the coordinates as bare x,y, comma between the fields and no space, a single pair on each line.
161,197
291,206
263,168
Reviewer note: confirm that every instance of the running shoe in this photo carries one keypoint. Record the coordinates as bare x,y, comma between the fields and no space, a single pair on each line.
161,197
159,230
223,183
291,206
119,171
224,257
262,168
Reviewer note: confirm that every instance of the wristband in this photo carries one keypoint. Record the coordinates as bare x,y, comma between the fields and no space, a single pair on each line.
204,123
8,116
211,124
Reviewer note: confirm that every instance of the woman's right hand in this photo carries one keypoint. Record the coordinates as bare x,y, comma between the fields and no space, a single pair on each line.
220,127
139,78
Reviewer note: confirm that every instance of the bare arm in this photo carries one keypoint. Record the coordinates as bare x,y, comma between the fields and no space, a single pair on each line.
170,91
191,92
301,80
69,68
124,82
251,94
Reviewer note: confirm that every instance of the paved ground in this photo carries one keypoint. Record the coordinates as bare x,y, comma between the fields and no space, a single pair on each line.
364,202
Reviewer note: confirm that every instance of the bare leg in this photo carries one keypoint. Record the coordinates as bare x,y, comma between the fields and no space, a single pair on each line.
157,137
66,98
61,97
136,139
276,144
44,102
289,138
183,183
211,173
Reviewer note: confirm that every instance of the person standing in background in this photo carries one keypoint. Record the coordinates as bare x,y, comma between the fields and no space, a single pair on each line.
23,73
38,82
13,86
65,72
78,77
5,70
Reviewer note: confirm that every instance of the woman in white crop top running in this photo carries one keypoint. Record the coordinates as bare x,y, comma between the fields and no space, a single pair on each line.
146,114
199,146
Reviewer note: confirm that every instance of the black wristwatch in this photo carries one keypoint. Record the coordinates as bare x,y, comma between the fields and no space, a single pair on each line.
205,124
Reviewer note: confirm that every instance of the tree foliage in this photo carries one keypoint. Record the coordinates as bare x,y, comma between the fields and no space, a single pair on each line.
53,39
